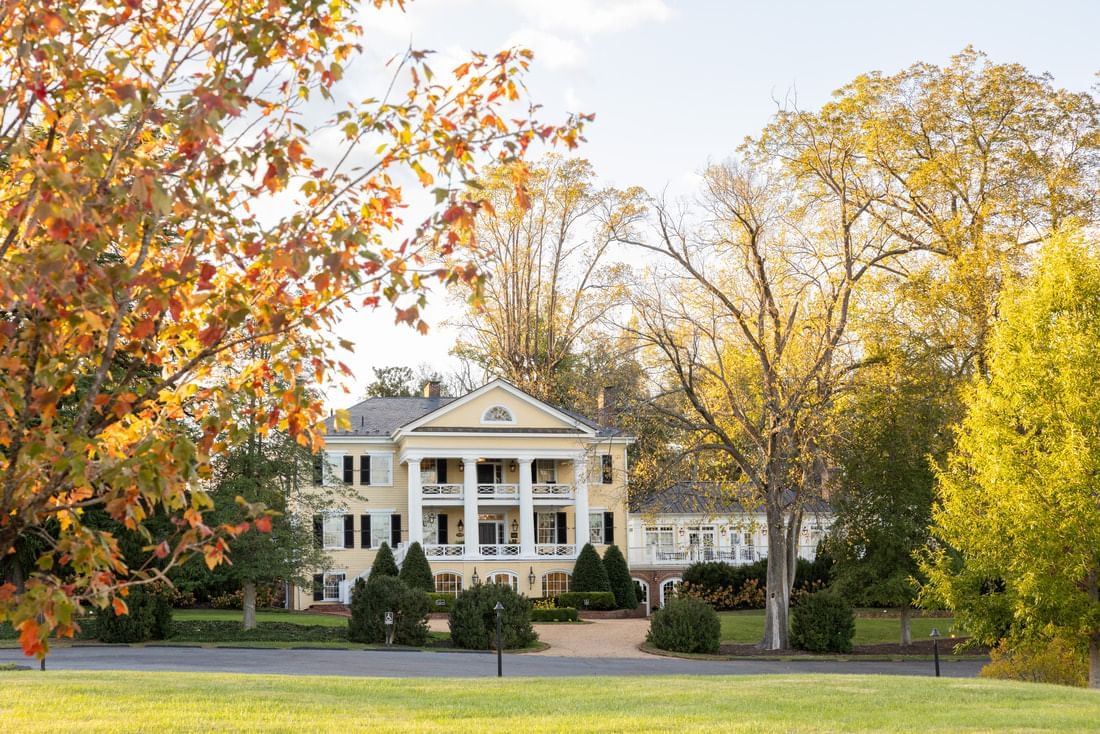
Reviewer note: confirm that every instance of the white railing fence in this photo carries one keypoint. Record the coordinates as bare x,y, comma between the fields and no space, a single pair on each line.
439,550
497,490
559,550
498,550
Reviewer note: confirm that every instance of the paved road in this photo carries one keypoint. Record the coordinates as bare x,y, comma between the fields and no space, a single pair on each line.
441,664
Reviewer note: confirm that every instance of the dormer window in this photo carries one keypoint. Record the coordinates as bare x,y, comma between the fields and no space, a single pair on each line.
497,414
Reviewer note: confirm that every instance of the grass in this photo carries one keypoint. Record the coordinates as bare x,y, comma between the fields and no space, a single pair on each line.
267,615
170,702
748,626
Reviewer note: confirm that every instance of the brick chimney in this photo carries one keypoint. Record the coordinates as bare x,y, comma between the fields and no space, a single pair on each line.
606,405
432,388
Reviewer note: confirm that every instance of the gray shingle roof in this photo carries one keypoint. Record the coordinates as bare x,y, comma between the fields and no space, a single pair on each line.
710,498
383,416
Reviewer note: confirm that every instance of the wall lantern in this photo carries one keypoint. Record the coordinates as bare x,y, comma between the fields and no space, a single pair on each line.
531,577
475,578
512,466
515,525
460,532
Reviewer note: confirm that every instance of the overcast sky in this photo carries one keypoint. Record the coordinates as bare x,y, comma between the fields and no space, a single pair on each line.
675,84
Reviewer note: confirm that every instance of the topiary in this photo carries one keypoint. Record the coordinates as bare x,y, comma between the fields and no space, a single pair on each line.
589,573
384,565
618,576
823,622
370,600
473,618
416,572
148,617
685,625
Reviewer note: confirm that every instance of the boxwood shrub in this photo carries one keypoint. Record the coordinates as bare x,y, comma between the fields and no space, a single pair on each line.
371,600
149,618
823,622
473,618
685,625
560,614
597,600
211,630
441,601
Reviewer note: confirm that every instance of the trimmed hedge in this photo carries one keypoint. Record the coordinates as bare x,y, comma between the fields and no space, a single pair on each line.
436,597
473,618
149,618
371,600
208,630
618,575
589,573
560,614
416,572
685,625
598,601
823,622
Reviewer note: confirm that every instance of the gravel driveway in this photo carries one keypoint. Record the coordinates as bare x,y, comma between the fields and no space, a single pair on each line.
597,638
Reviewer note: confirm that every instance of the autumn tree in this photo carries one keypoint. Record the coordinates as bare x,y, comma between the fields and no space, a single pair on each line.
1017,497
166,205
392,382
745,319
549,276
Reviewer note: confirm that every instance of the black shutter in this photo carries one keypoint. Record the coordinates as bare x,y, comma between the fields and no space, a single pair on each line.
318,470
318,586
364,470
349,531
534,472
609,528
562,537
395,530
318,530
441,471
349,469
364,531
536,527
441,529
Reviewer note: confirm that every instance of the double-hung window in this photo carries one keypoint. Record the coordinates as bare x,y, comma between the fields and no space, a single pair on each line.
333,531
548,528
375,470
607,472
546,471
595,527
380,525
332,586
661,537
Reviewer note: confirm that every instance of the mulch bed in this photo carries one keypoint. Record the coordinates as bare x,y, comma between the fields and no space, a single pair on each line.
919,647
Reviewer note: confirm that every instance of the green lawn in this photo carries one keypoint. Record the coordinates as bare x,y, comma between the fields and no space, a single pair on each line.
272,615
748,626
170,702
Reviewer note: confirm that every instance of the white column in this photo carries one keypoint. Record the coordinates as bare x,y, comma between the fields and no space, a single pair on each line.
526,508
416,502
469,505
580,505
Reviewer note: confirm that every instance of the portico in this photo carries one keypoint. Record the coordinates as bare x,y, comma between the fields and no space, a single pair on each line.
510,488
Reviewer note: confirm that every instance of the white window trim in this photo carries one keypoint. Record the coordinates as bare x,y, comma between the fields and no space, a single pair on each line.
388,532
676,580
372,455
547,572
596,512
511,574
324,585
487,421
337,515
599,468
461,580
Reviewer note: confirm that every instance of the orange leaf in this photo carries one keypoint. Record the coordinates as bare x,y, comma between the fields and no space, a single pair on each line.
120,607
263,524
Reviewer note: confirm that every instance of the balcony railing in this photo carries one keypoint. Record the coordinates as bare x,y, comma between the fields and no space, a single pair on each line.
652,555
560,550
499,491
438,550
551,490
498,550
446,491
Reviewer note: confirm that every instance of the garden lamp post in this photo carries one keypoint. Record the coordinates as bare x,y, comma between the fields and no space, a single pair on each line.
500,643
936,649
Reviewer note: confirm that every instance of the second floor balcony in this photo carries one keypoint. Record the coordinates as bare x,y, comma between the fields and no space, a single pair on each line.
451,492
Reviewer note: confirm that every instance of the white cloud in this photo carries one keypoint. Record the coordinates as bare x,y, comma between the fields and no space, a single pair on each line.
573,103
592,16
550,49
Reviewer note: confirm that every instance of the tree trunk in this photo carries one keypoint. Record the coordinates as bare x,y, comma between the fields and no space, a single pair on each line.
778,591
17,577
906,631
1094,661
249,589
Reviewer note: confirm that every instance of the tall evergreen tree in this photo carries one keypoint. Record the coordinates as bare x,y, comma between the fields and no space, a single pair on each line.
589,573
384,564
618,576
416,572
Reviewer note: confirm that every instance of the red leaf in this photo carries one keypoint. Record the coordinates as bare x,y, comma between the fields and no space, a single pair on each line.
263,524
